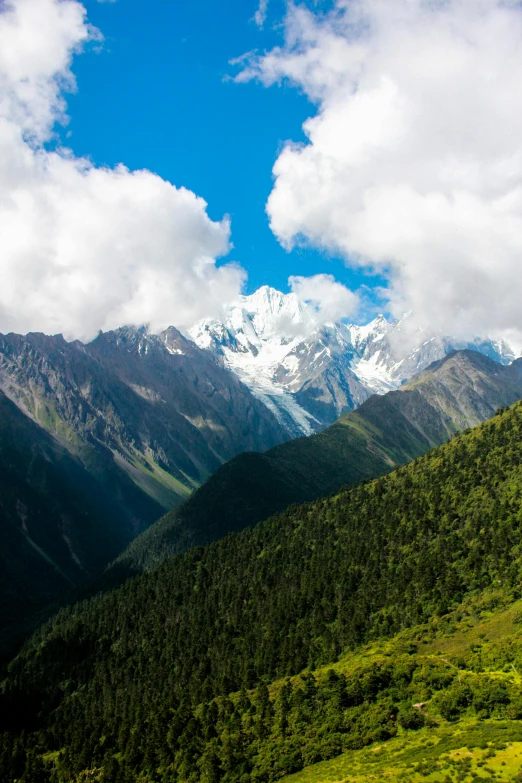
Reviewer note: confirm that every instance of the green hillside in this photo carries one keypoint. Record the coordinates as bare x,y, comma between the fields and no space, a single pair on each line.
462,673
57,524
457,392
136,684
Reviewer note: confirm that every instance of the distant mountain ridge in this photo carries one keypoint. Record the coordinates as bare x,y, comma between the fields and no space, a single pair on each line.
152,408
309,373
97,441
460,391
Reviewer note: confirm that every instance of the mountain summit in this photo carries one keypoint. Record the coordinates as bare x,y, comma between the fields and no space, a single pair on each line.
309,372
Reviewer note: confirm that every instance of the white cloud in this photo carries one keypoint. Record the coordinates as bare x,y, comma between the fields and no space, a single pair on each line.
330,300
84,248
260,14
413,163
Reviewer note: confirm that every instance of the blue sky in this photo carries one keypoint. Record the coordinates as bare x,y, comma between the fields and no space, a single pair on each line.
412,165
158,95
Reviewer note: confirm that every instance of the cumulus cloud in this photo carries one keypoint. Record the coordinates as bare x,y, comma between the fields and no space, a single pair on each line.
413,164
84,248
330,300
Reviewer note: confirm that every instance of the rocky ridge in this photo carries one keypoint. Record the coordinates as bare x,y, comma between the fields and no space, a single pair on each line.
152,414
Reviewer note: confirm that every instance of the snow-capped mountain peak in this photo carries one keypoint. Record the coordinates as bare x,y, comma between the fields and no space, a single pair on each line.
269,314
308,372
257,335
371,332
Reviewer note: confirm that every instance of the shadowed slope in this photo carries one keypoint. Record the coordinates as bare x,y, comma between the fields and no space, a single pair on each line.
57,524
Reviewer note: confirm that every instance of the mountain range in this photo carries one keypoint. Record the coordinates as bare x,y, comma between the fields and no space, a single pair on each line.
310,373
459,391
223,642
99,440
154,409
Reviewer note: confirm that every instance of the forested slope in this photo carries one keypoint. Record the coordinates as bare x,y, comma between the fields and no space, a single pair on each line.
457,392
126,681
57,525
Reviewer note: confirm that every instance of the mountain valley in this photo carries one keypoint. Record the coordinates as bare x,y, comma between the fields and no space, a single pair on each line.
198,618
58,524
260,391
247,659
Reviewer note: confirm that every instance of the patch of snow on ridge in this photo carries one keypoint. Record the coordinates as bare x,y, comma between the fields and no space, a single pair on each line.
374,374
374,331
